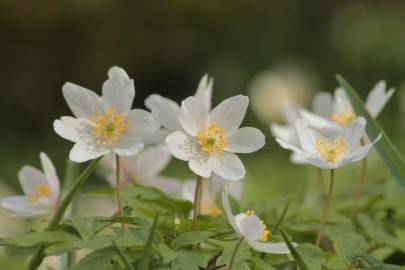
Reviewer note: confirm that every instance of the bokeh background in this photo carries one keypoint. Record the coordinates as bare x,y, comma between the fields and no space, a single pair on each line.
288,48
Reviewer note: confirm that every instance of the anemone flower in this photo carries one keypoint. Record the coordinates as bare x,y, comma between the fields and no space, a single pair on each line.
41,188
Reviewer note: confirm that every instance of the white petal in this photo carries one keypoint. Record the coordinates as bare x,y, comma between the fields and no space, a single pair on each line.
218,184
118,91
151,161
228,212
341,102
85,152
354,132
251,227
200,164
298,159
72,129
168,185
188,190
285,133
228,166
322,104
245,140
51,175
287,145
164,110
274,248
321,124
358,153
204,91
129,147
291,112
378,98
306,136
20,206
229,113
141,125
192,115
82,102
159,137
30,177
181,145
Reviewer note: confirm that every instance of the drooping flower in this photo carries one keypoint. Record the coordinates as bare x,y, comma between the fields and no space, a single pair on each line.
105,124
332,150
164,110
209,194
253,230
41,191
334,113
209,140
143,168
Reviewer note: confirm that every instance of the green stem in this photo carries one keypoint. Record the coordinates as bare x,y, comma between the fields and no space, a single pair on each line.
197,198
118,187
326,208
234,252
321,182
39,254
359,188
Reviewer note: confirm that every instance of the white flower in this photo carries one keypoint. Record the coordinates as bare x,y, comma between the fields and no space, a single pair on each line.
144,168
164,110
104,124
333,150
41,189
334,113
208,140
209,194
252,229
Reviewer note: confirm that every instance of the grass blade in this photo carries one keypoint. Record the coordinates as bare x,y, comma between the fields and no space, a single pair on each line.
122,256
144,263
297,257
385,147
281,219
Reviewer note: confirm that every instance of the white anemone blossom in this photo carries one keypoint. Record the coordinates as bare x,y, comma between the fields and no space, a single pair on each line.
253,230
209,194
209,140
143,168
164,110
333,113
332,150
41,189
105,124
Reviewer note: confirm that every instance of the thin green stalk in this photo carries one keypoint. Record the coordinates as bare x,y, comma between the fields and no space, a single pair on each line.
321,183
359,188
118,188
197,193
235,251
53,224
326,208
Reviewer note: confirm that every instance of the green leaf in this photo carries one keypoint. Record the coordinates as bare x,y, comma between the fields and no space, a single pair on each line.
190,238
262,264
385,147
349,245
36,238
122,256
100,260
81,225
297,256
144,263
313,256
280,220
189,261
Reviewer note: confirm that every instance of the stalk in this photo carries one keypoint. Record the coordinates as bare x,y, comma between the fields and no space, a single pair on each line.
198,188
53,224
359,188
118,187
326,208
234,253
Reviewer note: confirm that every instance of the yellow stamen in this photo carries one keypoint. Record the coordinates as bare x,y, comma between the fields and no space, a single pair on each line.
249,212
331,149
343,118
40,191
109,127
212,139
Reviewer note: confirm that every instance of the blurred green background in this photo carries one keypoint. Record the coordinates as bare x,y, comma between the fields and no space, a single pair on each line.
166,46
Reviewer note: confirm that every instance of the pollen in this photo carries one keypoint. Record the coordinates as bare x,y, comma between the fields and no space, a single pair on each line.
212,139
249,212
331,149
343,118
40,191
109,127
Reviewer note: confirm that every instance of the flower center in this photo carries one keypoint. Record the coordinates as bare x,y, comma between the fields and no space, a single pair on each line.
109,127
343,118
40,191
212,139
211,210
331,149
266,232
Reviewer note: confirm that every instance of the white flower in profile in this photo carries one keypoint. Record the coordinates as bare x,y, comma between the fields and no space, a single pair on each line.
332,150
105,124
209,194
164,110
209,140
250,228
41,189
143,168
333,113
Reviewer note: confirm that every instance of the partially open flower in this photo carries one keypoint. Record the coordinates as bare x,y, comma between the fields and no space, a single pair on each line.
105,124
208,140
332,150
143,168
41,188
253,230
